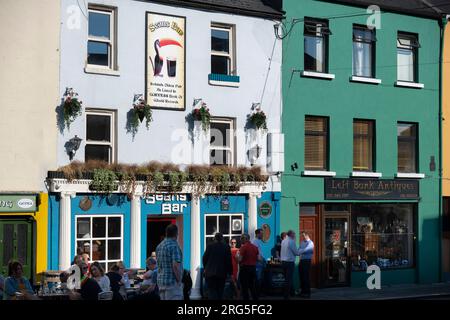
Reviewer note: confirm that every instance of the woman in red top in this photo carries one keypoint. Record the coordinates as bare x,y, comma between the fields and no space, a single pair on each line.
234,263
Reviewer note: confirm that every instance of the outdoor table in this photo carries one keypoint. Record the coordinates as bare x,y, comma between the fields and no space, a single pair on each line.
54,296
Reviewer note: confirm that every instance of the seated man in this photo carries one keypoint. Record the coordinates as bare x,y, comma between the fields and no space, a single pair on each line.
149,287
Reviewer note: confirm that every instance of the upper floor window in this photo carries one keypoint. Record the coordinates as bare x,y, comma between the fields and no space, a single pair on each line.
407,147
363,133
223,59
316,143
222,142
100,133
101,45
316,34
407,49
363,52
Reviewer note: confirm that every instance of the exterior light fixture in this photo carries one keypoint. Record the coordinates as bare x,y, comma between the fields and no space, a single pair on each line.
254,154
294,166
72,146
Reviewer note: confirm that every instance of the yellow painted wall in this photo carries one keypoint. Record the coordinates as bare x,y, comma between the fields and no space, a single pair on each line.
29,92
41,237
446,115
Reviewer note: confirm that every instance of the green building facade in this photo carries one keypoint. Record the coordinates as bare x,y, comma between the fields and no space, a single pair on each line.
361,125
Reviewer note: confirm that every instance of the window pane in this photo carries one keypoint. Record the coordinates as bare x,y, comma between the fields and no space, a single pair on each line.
220,40
98,128
8,243
22,243
405,65
211,225
362,59
99,227
98,53
84,247
95,152
362,145
237,226
220,132
220,157
316,124
98,250
406,130
114,227
224,224
382,234
314,54
315,143
99,24
113,249
220,65
308,209
83,228
407,147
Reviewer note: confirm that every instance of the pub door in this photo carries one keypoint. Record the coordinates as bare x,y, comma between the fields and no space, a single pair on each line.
16,244
310,225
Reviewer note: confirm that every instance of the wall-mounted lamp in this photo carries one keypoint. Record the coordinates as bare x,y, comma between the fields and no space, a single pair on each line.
72,146
197,101
254,154
294,166
255,105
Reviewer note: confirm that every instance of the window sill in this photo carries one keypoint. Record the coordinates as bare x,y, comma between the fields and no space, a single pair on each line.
406,84
223,80
314,173
106,72
410,175
365,80
318,75
365,174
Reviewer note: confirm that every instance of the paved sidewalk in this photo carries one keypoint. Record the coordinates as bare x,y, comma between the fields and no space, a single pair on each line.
408,291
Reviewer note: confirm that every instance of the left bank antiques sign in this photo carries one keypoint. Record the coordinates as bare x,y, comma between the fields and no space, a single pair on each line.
371,189
165,61
17,203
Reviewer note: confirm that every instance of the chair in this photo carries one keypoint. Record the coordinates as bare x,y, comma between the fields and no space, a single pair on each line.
106,295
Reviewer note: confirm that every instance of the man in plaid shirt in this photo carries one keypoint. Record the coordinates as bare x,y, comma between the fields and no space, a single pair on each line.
169,259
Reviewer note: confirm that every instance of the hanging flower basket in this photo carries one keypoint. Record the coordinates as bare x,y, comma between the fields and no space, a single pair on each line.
72,107
202,114
141,110
258,119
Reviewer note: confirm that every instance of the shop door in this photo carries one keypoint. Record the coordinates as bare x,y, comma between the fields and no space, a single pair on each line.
156,232
16,244
309,224
336,266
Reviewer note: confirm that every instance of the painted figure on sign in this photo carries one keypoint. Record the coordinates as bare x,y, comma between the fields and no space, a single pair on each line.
159,60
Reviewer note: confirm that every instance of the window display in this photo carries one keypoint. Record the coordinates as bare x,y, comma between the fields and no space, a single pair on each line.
231,226
382,234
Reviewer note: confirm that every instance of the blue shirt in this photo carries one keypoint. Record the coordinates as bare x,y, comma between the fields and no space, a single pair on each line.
288,250
306,250
168,252
12,286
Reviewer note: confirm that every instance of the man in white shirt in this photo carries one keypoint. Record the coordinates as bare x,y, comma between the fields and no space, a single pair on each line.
288,254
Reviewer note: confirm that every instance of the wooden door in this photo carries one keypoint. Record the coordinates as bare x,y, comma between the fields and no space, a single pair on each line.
310,225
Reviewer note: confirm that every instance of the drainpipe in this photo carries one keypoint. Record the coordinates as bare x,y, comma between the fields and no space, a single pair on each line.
442,24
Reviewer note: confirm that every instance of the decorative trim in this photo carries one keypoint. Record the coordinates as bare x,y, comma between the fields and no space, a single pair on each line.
105,72
410,175
407,84
319,75
319,173
223,80
366,174
365,80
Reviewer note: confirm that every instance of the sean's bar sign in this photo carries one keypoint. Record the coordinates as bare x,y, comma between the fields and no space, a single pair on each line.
371,189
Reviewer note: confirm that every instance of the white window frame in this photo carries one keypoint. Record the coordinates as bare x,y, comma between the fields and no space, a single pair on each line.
112,12
231,46
106,238
230,133
414,49
229,234
111,143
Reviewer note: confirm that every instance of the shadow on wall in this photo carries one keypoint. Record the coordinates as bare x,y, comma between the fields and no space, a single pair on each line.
59,110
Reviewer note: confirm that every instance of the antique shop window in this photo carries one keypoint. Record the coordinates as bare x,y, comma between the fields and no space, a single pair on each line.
316,34
407,147
407,49
230,225
222,50
363,51
100,133
363,140
316,143
101,237
383,234
222,142
101,44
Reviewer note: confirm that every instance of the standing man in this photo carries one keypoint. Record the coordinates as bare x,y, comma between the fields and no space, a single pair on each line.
260,264
306,251
169,259
247,257
288,254
217,264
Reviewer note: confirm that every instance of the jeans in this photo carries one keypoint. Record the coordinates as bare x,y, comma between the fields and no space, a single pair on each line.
305,283
174,292
215,286
247,278
288,268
